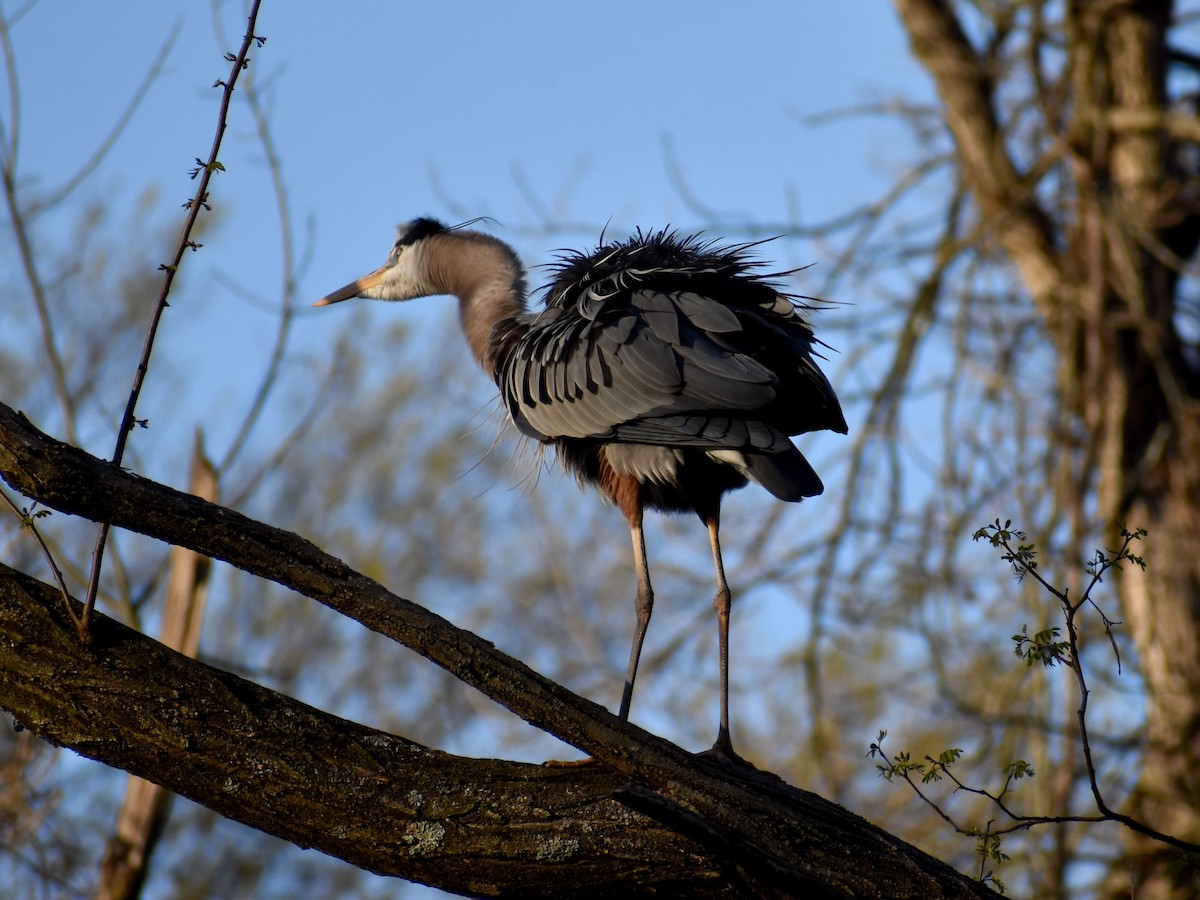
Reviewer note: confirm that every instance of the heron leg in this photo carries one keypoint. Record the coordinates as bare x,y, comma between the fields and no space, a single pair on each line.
721,603
644,604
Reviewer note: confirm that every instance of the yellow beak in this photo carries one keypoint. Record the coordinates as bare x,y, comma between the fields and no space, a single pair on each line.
354,288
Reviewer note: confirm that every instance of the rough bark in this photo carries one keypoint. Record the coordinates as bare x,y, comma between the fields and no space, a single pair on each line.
1104,270
377,801
652,818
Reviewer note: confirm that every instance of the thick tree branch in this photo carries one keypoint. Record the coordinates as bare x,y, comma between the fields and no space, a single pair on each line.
375,800
781,840
967,91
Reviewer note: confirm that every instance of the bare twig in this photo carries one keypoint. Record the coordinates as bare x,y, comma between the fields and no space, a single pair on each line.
10,140
28,519
1049,652
204,171
287,244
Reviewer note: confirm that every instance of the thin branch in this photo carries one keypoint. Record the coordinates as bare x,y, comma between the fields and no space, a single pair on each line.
20,229
1007,197
199,201
21,12
10,136
287,293
28,522
302,426
1024,563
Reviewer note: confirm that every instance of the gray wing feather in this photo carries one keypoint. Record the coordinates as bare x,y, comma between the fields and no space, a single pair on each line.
643,366
706,314
704,431
661,315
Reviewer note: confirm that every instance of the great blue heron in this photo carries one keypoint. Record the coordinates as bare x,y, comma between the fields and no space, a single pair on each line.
666,370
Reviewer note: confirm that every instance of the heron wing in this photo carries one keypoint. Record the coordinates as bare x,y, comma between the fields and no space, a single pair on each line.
644,366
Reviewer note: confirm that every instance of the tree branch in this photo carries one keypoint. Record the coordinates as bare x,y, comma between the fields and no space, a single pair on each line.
966,88
781,840
377,801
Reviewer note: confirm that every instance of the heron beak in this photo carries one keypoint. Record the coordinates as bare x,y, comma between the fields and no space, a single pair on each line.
354,288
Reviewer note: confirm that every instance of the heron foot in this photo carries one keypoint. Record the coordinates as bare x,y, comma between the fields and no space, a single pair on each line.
722,751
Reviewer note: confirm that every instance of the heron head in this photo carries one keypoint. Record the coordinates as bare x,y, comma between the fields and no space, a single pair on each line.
406,274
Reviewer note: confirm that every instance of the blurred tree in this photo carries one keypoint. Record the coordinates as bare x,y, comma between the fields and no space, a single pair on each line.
1060,276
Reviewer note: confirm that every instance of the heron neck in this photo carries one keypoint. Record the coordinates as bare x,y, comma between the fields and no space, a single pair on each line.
489,281
481,312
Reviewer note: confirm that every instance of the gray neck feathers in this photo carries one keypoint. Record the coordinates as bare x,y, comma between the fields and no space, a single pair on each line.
489,281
